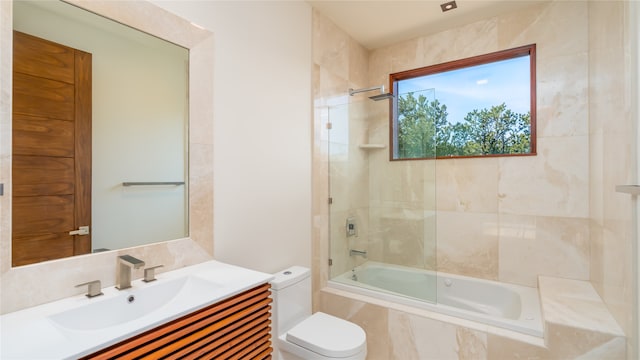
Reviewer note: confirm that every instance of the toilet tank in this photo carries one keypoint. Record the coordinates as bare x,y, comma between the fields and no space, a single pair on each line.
291,291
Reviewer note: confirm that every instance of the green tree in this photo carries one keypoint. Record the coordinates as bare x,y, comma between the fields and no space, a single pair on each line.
497,130
424,131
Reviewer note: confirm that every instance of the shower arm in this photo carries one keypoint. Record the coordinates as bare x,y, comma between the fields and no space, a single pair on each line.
353,92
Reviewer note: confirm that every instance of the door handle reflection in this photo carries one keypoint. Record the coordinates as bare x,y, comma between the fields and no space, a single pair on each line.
82,230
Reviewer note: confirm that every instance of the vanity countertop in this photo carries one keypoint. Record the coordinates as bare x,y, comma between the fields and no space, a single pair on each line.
48,332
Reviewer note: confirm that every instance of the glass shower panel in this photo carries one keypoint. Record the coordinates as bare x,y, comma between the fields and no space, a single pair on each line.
403,201
348,186
338,140
382,215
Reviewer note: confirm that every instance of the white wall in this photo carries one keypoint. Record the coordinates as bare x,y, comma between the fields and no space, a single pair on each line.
262,129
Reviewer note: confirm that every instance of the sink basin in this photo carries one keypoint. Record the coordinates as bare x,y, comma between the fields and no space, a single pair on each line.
76,326
133,303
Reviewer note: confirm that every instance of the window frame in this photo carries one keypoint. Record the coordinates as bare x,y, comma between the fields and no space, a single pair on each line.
526,50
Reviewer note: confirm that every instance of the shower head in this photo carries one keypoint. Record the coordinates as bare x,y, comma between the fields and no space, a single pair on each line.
381,96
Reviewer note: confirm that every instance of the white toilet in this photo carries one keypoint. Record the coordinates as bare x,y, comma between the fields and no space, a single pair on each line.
298,334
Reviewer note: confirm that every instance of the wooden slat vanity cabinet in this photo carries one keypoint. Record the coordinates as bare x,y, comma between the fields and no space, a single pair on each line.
235,328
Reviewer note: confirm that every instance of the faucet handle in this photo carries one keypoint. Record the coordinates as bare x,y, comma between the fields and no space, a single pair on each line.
95,289
149,273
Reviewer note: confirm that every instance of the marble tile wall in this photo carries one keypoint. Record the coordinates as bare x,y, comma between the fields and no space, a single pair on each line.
397,333
577,322
339,63
611,147
493,213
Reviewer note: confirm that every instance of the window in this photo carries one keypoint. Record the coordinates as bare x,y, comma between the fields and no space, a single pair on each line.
474,107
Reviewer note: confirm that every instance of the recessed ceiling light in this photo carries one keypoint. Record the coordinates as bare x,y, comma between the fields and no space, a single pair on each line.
448,6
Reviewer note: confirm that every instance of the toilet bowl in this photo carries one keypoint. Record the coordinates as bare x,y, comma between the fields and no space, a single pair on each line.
298,334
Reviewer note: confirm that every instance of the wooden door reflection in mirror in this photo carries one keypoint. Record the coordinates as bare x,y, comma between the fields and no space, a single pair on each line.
51,150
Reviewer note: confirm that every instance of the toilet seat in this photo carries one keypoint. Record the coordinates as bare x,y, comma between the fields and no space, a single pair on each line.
328,336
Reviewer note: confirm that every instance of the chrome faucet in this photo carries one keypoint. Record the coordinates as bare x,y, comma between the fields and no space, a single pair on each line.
123,270
362,253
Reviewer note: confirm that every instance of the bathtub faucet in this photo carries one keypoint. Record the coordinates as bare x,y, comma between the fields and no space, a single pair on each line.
358,252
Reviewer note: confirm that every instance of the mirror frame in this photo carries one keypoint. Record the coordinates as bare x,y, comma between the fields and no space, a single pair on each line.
30,285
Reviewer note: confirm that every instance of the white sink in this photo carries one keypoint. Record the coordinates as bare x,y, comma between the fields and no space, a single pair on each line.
77,326
133,303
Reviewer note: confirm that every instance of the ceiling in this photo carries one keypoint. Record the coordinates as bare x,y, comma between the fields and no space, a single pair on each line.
376,24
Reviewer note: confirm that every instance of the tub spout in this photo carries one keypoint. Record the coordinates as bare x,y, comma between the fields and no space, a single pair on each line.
362,253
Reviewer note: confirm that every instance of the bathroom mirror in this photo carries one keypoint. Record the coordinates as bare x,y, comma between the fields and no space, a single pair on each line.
139,142
57,279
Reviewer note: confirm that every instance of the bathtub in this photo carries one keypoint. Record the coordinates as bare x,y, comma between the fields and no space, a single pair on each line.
502,305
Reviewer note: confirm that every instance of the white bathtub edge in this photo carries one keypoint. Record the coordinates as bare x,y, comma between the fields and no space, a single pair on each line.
336,289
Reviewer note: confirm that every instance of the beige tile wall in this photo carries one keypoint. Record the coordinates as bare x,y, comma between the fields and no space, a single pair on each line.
611,160
399,332
340,63
403,334
493,212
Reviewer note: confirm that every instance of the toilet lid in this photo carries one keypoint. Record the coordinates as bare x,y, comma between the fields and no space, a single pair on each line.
328,336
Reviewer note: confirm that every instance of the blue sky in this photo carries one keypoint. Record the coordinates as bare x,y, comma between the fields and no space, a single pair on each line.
476,87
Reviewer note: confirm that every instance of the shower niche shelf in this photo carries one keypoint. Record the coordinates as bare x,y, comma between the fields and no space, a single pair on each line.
372,146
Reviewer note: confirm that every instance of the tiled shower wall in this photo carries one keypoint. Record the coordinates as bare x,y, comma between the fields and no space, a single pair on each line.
339,63
507,218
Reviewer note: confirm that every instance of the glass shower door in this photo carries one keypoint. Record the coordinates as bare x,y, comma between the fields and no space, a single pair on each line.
348,187
382,212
